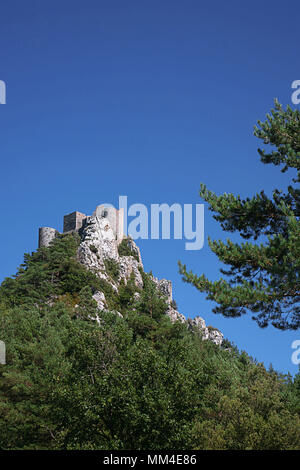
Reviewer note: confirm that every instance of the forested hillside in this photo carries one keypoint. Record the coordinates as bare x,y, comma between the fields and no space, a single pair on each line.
78,378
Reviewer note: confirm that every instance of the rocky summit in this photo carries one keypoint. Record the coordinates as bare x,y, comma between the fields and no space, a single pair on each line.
98,357
99,248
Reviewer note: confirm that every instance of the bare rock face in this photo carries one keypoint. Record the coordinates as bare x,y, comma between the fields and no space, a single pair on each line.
165,287
174,315
216,336
127,265
199,323
213,334
100,299
99,243
135,250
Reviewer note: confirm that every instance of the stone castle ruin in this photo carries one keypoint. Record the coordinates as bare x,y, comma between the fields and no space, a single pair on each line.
100,248
77,220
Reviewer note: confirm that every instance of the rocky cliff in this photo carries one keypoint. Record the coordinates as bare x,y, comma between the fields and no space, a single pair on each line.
99,249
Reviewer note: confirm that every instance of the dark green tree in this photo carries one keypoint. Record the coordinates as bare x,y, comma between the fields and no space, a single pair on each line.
263,275
137,382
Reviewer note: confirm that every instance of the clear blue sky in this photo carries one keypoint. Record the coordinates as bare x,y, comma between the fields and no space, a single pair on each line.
146,99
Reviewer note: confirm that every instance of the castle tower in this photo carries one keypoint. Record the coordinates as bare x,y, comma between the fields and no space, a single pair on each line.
115,218
73,221
46,235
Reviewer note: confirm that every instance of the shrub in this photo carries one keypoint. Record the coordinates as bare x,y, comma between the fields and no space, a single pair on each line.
111,296
124,249
112,268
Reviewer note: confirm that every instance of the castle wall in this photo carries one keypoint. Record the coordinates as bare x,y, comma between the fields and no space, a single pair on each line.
120,225
115,218
73,221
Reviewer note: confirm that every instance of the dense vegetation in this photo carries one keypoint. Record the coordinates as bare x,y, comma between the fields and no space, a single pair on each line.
137,382
264,277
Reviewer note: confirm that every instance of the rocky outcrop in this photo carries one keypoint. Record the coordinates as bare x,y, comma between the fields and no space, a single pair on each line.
129,265
99,297
207,332
165,287
175,315
99,244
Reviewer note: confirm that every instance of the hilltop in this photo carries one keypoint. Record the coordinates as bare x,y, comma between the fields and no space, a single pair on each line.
98,357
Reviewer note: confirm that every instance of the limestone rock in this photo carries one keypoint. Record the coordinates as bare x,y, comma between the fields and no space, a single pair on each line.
135,250
127,265
199,323
165,287
216,336
174,315
99,243
99,297
101,235
213,334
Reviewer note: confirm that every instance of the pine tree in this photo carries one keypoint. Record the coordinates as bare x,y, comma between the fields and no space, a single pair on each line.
263,277
135,382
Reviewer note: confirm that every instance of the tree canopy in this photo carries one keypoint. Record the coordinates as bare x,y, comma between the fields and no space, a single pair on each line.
263,273
137,382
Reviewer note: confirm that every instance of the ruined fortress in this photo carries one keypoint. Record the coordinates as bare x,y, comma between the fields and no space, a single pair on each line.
100,237
76,221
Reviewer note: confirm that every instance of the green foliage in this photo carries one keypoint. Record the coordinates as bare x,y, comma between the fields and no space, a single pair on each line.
48,273
138,382
126,293
125,249
111,296
212,328
87,307
263,277
112,268
144,313
151,302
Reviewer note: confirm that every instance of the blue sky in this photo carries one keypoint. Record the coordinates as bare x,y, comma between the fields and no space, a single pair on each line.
144,99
